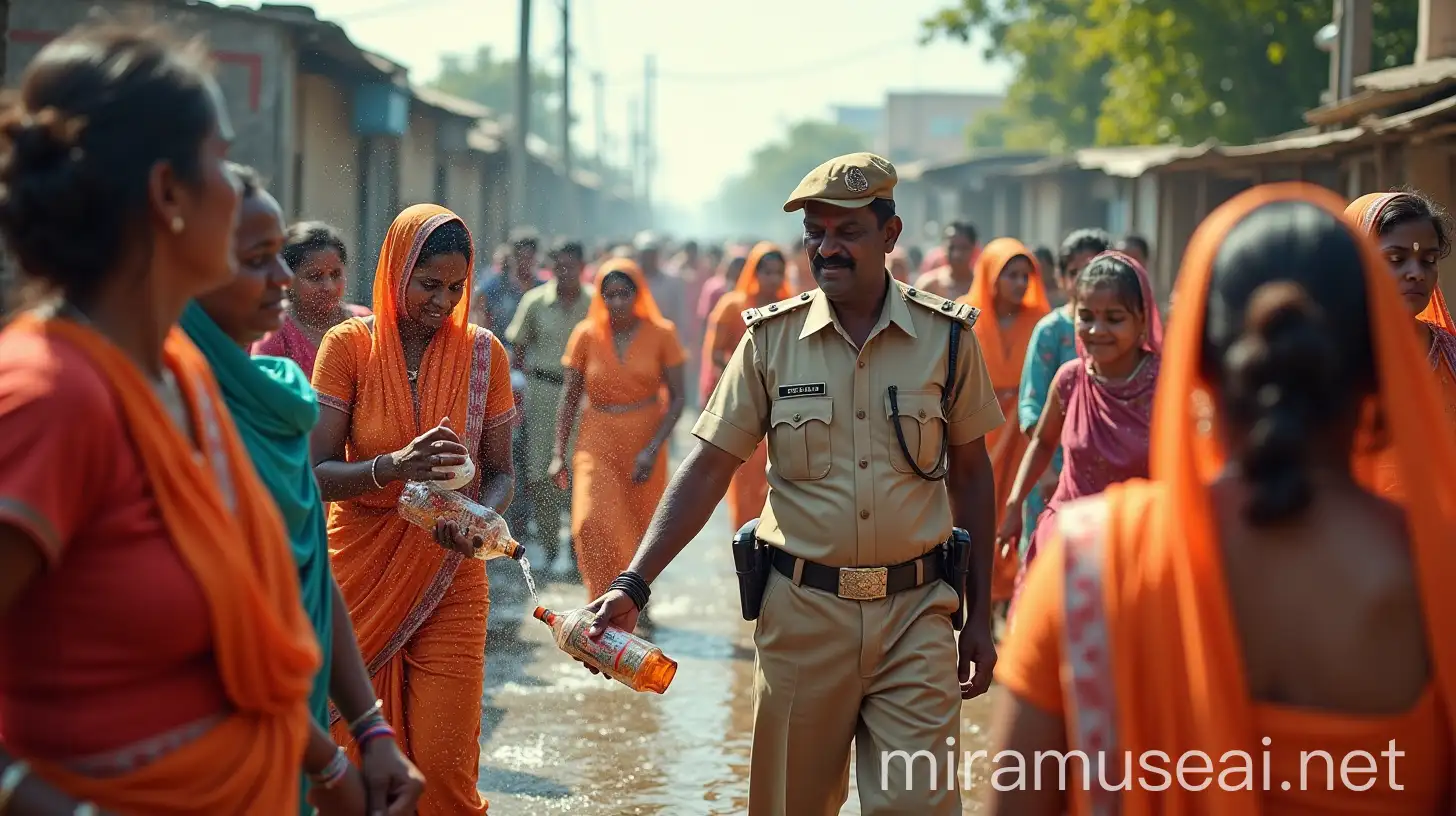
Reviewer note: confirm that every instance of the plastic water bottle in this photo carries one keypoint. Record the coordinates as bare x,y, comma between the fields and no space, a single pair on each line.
423,504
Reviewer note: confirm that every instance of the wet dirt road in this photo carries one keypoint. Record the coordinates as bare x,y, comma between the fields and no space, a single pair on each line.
558,740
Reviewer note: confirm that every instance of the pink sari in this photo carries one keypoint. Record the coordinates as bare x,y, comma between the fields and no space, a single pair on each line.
1106,425
290,341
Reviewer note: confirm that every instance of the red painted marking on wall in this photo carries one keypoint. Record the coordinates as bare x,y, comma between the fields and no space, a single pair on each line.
254,65
251,62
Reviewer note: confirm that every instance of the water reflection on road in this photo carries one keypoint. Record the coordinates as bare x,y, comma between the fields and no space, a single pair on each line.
558,740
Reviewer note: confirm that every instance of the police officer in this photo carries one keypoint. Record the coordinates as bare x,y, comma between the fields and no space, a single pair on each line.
874,448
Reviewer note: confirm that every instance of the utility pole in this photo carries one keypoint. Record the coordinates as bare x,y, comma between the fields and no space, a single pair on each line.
649,134
599,85
635,146
517,183
573,195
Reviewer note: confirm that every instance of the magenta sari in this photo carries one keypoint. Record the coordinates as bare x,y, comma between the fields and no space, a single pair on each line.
1106,425
290,341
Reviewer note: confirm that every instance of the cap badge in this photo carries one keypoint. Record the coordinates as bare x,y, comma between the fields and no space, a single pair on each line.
855,180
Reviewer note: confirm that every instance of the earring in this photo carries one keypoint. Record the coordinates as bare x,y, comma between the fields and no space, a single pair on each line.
1202,412
178,224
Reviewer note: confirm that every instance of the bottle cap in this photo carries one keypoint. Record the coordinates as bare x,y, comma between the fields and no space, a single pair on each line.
543,614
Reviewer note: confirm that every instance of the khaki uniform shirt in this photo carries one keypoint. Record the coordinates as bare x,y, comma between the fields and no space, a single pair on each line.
841,493
543,323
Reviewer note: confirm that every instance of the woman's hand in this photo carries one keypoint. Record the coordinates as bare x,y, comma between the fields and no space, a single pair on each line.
646,461
347,798
1009,532
560,474
416,462
392,783
449,536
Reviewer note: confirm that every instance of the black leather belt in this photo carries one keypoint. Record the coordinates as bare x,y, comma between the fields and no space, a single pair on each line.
862,583
549,376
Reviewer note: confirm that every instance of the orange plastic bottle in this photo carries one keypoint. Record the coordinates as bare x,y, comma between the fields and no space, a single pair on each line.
622,656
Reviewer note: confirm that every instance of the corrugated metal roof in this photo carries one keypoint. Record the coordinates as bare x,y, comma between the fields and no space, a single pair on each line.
1408,77
1404,120
1386,89
1308,141
451,104
1131,162
1128,161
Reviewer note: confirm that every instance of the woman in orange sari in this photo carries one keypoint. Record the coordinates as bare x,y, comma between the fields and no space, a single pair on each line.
155,657
1251,601
761,282
393,390
619,359
1009,291
1414,236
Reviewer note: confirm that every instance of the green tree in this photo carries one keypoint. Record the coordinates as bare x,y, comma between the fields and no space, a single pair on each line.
1150,71
491,81
753,201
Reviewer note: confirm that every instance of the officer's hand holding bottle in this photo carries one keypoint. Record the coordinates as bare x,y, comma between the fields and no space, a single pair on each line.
613,608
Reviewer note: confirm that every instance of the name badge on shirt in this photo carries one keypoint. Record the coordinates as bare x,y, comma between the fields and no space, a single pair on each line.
804,390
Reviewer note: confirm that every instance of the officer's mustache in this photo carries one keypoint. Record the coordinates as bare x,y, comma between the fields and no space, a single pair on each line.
821,263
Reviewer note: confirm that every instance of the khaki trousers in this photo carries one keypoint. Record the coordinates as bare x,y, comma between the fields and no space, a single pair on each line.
880,674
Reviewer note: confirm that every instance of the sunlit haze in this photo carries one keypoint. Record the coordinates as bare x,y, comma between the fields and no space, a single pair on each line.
731,76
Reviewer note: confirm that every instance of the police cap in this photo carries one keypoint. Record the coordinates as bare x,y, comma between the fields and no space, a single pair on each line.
848,181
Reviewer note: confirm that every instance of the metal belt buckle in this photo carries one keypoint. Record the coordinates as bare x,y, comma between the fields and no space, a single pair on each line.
863,583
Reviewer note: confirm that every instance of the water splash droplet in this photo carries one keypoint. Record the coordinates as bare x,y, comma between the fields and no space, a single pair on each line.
529,576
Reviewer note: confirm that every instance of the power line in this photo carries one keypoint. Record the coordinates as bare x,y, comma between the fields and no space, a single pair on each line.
736,77
386,9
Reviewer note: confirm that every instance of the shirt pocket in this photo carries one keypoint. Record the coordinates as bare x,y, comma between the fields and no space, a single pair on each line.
799,437
922,423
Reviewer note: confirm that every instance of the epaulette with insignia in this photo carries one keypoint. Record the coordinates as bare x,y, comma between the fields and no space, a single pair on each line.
783,307
954,310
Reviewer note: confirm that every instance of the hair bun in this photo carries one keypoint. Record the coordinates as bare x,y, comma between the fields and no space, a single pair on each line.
43,138
1282,372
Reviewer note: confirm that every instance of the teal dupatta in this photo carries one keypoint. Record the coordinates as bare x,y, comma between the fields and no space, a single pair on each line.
275,409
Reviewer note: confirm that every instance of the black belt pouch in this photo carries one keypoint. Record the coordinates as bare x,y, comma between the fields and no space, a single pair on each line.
955,568
752,563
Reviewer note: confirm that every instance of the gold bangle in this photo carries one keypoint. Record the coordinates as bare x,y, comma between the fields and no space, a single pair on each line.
10,779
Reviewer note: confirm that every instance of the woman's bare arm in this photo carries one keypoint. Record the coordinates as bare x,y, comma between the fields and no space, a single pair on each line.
1026,734
673,378
339,479
497,469
20,563
1039,453
567,412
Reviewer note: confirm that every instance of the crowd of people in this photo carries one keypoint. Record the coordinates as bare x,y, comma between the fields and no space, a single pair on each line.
208,603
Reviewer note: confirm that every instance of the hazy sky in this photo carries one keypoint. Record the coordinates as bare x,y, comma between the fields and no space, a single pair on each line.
731,75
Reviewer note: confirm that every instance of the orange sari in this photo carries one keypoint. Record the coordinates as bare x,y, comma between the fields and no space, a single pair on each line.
749,488
418,609
1151,648
1004,348
228,532
1376,467
623,408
